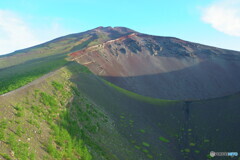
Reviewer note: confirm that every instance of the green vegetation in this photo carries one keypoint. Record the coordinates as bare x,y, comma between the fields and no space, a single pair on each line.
61,144
20,148
84,44
20,131
18,76
61,121
192,144
34,122
75,91
146,144
137,147
57,86
197,151
61,46
20,111
64,141
209,157
122,117
164,139
150,156
72,129
6,156
47,99
142,131
78,68
3,126
187,150
136,96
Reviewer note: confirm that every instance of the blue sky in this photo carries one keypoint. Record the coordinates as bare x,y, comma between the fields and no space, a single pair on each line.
24,23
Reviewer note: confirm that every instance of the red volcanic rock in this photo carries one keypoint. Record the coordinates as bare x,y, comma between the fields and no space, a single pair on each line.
164,67
77,53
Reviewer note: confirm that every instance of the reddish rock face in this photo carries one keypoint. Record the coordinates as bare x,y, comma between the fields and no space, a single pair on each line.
163,67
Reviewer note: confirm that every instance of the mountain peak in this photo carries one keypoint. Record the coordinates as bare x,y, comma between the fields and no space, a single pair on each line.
114,29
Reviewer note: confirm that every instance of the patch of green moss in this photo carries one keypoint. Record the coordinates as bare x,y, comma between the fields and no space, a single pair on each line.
145,150
145,144
150,156
137,147
192,144
3,126
197,151
5,156
150,100
142,131
164,139
58,86
122,117
206,141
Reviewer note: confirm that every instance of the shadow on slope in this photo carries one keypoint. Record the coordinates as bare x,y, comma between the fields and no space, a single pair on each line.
208,79
182,130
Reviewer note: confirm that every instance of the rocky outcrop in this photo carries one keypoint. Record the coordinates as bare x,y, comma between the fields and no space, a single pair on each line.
164,67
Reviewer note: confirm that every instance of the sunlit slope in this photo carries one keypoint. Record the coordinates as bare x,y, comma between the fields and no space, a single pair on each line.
63,45
21,67
33,118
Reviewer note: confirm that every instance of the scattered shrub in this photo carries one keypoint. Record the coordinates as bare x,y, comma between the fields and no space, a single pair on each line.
146,144
48,100
3,126
57,86
19,148
164,139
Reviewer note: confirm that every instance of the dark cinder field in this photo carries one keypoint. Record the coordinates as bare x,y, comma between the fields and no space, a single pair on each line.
172,129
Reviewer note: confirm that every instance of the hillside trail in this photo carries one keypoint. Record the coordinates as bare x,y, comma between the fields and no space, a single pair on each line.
36,81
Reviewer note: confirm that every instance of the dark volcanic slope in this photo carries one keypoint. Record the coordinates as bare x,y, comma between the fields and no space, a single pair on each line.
192,128
164,67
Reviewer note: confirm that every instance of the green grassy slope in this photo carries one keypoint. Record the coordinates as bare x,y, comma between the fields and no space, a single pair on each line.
63,45
35,120
20,75
51,119
21,67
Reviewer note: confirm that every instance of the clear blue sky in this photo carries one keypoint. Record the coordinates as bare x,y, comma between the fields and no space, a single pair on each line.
36,21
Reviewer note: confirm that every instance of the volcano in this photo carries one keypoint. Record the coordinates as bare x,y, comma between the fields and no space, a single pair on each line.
163,67
112,93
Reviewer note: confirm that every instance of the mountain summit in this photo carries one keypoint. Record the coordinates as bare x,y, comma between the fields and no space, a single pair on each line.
161,67
116,94
155,66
